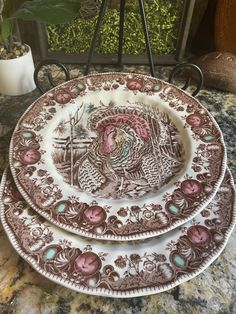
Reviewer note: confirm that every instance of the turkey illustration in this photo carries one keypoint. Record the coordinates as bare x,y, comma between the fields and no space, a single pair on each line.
135,151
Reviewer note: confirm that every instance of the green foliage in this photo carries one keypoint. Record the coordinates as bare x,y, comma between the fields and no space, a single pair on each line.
162,18
6,28
47,11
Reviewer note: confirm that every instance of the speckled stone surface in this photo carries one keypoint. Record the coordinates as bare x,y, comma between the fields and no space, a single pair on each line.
23,290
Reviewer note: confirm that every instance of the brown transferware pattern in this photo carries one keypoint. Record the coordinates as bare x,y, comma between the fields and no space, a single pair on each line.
117,156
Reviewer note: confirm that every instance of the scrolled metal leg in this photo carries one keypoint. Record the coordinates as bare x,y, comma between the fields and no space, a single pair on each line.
94,40
45,67
192,68
121,33
147,40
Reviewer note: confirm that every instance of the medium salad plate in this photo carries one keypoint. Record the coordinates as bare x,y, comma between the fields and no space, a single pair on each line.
118,269
117,156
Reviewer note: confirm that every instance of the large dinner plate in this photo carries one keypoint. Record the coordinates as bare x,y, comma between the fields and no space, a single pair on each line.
117,156
118,269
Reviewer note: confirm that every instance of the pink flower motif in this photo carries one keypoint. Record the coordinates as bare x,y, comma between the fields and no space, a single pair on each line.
115,86
95,215
41,173
52,110
191,187
197,159
135,258
199,235
120,262
30,156
134,84
135,209
49,180
122,212
196,168
205,213
194,119
62,97
88,264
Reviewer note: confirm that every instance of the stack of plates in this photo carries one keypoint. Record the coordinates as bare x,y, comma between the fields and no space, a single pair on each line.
118,186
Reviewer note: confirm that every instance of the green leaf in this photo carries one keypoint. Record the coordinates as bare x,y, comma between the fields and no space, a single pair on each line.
6,28
52,12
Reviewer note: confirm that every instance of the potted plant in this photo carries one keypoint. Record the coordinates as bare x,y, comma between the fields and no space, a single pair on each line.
16,62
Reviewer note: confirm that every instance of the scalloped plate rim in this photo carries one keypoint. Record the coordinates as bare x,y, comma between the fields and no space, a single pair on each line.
108,293
145,234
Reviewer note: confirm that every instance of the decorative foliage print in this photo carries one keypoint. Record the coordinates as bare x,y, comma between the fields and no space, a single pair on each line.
129,267
117,151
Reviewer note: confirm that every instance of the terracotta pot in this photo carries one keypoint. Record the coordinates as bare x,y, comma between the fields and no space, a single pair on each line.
17,75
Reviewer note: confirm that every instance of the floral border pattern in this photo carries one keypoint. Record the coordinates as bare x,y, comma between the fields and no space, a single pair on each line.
187,197
119,269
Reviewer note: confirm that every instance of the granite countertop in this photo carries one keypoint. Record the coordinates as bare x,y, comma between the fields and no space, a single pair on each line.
23,290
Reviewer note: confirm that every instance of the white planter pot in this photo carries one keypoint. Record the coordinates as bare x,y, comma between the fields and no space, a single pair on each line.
17,75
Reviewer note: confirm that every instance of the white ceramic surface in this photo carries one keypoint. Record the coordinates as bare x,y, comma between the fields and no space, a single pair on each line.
118,269
17,75
117,156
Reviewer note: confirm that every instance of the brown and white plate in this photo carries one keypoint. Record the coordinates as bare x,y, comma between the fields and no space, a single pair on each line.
118,269
117,156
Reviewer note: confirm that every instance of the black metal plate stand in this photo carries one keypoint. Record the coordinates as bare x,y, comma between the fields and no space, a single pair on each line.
179,68
121,32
